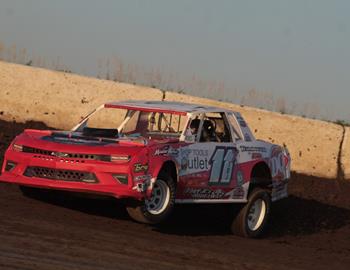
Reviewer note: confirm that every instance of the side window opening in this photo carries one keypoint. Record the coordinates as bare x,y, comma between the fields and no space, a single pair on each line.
193,128
215,128
160,125
171,123
120,122
106,118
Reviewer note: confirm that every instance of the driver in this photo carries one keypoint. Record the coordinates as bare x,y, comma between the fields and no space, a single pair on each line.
208,132
194,126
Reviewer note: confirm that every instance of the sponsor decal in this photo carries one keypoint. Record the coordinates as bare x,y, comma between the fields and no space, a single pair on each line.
278,169
200,152
251,149
138,167
184,156
222,163
167,151
194,159
143,178
161,152
197,163
219,164
204,193
236,193
280,173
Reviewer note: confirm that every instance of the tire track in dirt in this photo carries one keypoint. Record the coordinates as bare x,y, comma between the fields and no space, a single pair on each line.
79,233
17,260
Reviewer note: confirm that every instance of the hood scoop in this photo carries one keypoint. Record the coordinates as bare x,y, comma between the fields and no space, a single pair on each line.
68,137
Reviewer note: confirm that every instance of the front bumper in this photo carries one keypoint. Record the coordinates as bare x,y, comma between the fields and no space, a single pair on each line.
106,184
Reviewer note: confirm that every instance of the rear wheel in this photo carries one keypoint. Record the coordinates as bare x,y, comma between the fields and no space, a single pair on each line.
252,219
157,208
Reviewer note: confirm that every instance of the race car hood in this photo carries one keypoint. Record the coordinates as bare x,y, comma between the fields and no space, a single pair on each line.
75,142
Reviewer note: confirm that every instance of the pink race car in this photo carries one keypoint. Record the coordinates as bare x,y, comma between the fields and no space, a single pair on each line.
157,154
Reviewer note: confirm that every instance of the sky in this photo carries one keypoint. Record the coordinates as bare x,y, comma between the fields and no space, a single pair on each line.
297,49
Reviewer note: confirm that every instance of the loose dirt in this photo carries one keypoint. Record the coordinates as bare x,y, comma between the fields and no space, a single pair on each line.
309,230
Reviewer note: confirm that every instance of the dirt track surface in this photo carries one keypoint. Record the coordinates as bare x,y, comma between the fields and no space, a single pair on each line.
80,233
60,232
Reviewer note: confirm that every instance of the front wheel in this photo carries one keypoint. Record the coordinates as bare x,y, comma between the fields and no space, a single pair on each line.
157,208
252,219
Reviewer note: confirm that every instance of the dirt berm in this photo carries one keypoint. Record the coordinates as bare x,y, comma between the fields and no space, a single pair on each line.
60,100
313,144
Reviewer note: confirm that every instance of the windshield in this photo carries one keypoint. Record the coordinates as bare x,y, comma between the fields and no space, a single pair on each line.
115,122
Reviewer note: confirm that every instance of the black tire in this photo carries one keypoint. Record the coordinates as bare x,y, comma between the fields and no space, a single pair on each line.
244,224
142,212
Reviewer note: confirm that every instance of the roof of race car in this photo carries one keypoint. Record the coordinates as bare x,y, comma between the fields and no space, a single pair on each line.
163,106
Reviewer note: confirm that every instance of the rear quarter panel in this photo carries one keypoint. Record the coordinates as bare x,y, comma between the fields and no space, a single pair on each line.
252,153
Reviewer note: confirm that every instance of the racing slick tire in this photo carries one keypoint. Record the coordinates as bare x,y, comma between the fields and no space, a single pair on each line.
156,209
252,218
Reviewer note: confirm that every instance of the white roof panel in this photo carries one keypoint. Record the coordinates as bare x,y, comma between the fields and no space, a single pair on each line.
166,105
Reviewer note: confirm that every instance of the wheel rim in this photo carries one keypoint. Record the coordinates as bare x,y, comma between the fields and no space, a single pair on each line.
159,198
256,214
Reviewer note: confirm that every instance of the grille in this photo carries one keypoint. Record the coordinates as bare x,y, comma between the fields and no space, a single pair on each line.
33,150
63,175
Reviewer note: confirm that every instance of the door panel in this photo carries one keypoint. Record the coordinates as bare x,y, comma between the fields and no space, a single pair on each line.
206,170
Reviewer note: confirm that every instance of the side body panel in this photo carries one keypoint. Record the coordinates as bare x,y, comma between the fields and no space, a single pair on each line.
210,172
